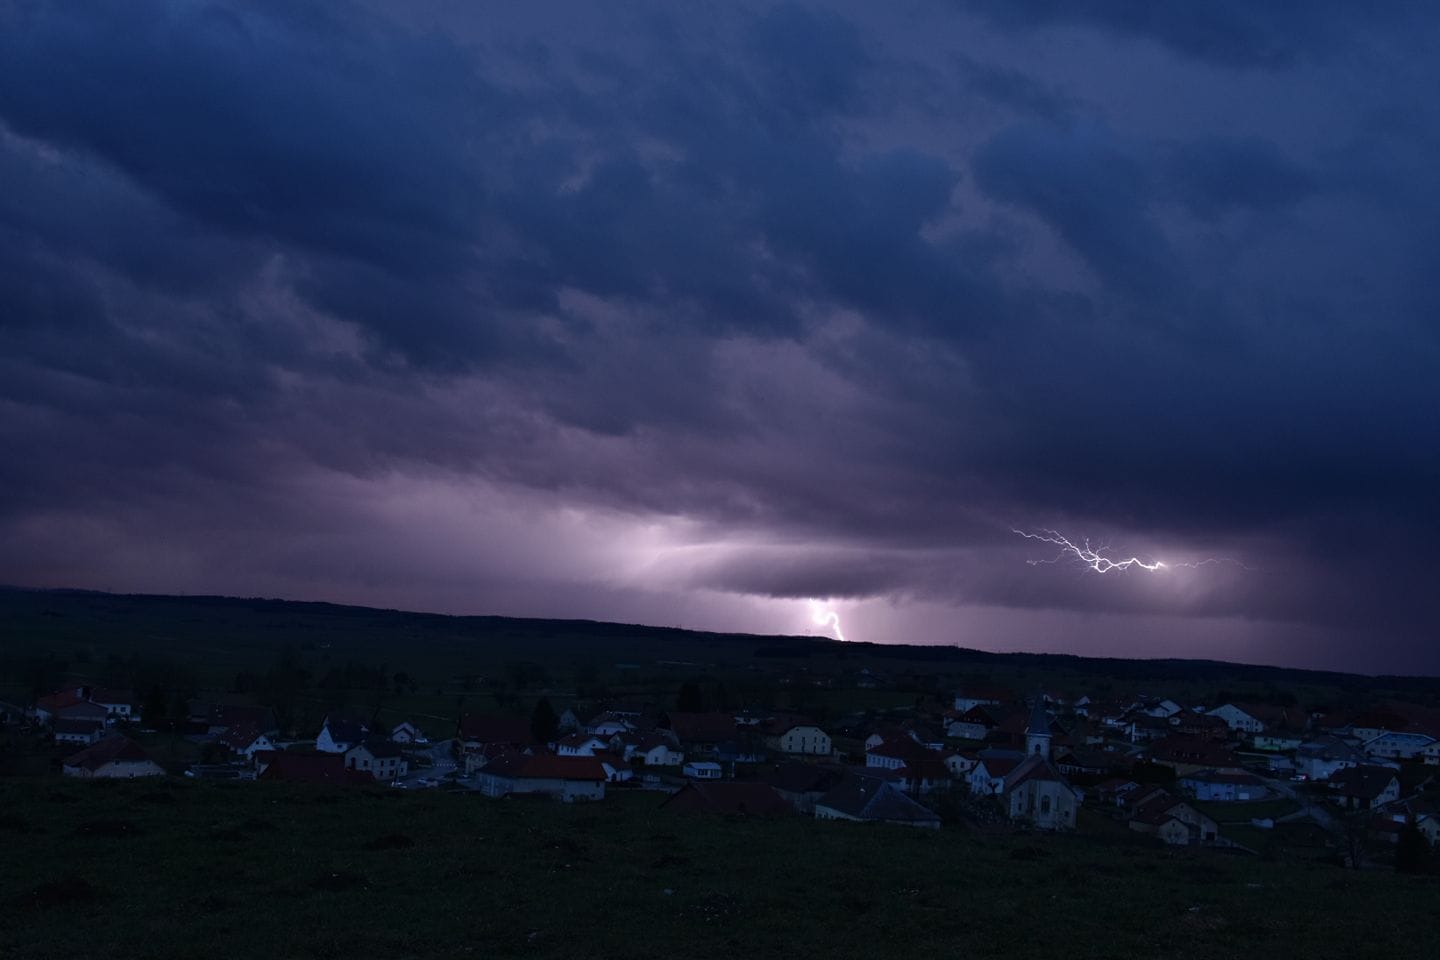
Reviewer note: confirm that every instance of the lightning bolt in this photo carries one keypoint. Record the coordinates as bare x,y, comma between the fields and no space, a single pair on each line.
1096,560
1087,555
822,616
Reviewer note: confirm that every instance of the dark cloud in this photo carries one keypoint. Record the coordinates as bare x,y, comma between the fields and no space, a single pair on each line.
755,304
1228,33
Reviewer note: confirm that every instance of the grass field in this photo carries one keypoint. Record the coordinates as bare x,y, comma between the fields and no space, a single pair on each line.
174,868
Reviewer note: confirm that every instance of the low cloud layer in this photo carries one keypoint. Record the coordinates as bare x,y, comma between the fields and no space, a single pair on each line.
689,317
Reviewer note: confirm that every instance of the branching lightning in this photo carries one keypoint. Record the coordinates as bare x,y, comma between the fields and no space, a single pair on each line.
823,616
1095,557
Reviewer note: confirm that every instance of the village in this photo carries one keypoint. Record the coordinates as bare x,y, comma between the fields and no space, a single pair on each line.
1218,776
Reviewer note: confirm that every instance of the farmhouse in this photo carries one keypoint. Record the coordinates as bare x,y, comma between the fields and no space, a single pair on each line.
565,778
1365,787
339,734
115,757
380,759
1224,786
797,738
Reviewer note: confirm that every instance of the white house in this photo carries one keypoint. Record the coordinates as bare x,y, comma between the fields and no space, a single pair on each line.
1321,759
1237,719
652,750
246,740
1431,753
979,697
987,777
1161,709
115,757
799,738
608,725
580,745
78,731
1398,746
339,734
407,732
381,759
702,770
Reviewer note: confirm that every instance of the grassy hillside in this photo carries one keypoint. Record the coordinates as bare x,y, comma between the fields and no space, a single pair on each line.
155,869
216,644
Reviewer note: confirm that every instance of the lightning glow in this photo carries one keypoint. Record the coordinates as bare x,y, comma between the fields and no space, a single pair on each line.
1091,557
1095,557
823,615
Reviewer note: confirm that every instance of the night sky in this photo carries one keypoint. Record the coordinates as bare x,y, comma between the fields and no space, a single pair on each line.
643,312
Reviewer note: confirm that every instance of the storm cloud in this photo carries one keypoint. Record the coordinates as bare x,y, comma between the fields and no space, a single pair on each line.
688,317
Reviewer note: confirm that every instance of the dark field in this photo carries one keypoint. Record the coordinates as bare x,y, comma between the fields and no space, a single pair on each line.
174,868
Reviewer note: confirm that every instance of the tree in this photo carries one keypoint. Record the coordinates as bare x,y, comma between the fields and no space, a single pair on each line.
690,700
543,722
1412,850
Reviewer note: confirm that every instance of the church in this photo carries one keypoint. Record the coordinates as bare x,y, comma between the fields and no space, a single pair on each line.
1035,791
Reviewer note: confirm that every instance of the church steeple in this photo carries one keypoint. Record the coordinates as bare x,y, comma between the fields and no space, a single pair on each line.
1037,731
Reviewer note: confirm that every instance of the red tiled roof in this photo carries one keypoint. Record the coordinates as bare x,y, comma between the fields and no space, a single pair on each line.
495,728
549,767
114,748
315,768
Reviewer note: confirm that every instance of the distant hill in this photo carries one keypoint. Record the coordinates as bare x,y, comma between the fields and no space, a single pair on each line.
221,635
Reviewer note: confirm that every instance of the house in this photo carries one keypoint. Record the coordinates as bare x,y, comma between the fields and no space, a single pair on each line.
567,721
1364,787
608,723
873,800
894,754
801,784
615,767
406,732
580,745
1090,763
1277,739
1320,759
1398,746
479,731
82,711
1115,790
987,777
701,770
115,757
1201,726
980,696
340,733
797,738
1224,786
958,763
973,724
82,731
1160,709
381,759
924,775
222,716
568,779
1431,753
744,798
1173,820
650,749
119,704
246,740
316,769
1237,719
700,734
47,706
1189,754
